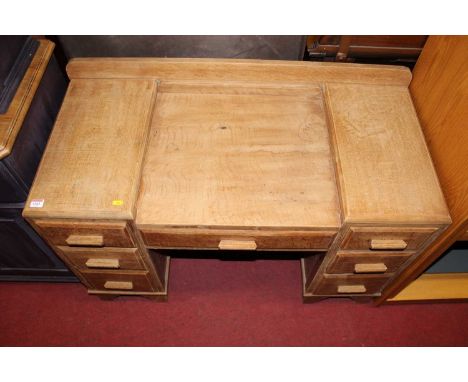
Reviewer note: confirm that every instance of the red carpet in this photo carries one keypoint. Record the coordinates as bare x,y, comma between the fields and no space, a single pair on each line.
218,303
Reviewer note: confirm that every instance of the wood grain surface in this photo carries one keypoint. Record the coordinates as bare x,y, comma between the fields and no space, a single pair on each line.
384,171
238,160
440,94
91,167
265,71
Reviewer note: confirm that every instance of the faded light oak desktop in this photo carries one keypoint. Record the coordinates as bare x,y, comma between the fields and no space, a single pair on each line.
152,154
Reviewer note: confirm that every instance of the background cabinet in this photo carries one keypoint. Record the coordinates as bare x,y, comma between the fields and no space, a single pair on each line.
440,94
383,49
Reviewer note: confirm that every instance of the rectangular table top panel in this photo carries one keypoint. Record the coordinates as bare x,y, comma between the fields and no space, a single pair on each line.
385,171
242,156
91,167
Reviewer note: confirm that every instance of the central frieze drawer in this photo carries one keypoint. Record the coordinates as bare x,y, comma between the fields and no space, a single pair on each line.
237,239
86,233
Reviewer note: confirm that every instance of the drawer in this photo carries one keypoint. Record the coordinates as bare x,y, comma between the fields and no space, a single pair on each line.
367,261
237,239
386,238
336,285
103,258
119,280
86,233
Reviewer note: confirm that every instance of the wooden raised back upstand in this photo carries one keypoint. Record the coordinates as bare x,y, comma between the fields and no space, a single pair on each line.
151,154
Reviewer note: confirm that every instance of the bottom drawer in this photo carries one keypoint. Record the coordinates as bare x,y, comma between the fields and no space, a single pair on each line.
112,280
351,284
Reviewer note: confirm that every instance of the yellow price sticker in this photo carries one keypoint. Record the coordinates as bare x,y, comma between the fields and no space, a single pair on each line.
117,202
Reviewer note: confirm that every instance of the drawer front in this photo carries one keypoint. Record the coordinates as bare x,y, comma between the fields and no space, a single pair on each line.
237,240
86,234
343,285
386,238
118,280
367,262
103,258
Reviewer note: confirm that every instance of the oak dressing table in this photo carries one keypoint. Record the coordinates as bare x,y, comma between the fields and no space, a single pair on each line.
151,154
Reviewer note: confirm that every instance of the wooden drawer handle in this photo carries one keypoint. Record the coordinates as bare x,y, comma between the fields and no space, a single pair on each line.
103,263
240,245
85,240
127,285
351,289
370,268
388,244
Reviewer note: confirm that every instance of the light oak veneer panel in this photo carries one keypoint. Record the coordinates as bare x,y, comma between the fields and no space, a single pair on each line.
384,171
239,160
91,167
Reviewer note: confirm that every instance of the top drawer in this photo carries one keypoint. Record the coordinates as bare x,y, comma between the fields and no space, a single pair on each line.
386,238
86,233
